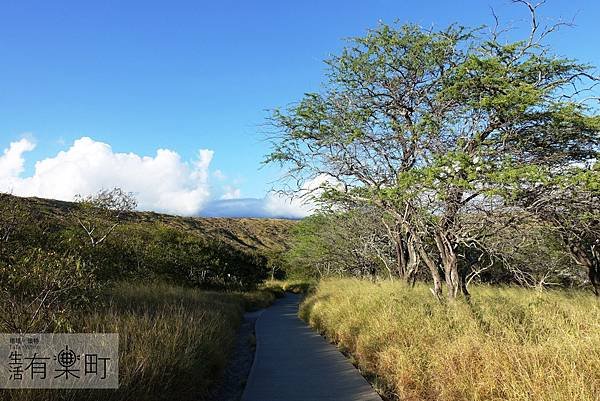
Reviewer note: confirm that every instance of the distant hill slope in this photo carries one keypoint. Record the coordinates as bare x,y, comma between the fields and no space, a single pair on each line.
260,234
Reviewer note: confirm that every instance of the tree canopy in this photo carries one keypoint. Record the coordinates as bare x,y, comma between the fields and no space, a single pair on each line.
433,127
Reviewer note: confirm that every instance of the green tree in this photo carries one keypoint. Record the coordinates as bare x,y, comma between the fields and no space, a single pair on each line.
433,126
333,244
569,203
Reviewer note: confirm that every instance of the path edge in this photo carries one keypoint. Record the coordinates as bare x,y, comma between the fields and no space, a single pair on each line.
252,368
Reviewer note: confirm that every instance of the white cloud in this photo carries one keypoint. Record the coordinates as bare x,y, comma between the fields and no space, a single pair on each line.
12,161
280,205
163,182
231,192
273,204
301,205
219,175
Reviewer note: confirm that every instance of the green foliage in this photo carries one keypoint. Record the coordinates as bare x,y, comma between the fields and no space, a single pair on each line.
434,127
519,251
175,339
296,286
98,215
334,244
308,251
41,285
161,252
154,250
41,291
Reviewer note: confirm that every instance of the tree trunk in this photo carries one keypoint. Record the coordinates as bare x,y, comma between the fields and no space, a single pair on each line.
412,264
449,259
400,256
594,272
447,244
590,262
399,247
435,274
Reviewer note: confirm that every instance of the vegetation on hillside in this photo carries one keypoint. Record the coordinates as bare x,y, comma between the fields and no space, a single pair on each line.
104,237
173,288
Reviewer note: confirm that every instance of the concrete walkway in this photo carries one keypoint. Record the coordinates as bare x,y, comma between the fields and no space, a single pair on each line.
293,363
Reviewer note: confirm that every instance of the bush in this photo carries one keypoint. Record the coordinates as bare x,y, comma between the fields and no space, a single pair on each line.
41,290
157,251
279,287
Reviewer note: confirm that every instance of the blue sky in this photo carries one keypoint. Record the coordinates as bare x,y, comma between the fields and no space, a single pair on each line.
189,75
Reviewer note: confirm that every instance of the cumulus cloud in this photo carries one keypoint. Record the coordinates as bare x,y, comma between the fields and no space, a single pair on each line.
231,192
163,182
219,175
12,162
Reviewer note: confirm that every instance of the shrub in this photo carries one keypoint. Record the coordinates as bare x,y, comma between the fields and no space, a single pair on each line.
42,289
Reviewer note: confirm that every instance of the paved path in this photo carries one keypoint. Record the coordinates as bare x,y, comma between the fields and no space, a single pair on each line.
293,363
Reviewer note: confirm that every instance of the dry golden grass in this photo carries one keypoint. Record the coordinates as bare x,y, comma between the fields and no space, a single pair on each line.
507,344
174,342
295,286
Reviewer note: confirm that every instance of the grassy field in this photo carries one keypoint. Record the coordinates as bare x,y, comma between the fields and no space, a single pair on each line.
506,344
173,341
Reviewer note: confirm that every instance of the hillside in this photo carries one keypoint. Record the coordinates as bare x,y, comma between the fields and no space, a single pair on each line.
259,234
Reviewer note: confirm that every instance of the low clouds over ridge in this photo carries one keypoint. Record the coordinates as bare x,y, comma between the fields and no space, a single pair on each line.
273,206
163,182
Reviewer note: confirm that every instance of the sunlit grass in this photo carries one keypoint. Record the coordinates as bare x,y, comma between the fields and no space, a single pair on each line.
506,344
296,286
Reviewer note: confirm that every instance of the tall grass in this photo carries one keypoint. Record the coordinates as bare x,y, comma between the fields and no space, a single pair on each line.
298,286
174,341
506,344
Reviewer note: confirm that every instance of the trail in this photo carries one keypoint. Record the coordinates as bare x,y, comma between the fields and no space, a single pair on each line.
293,363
